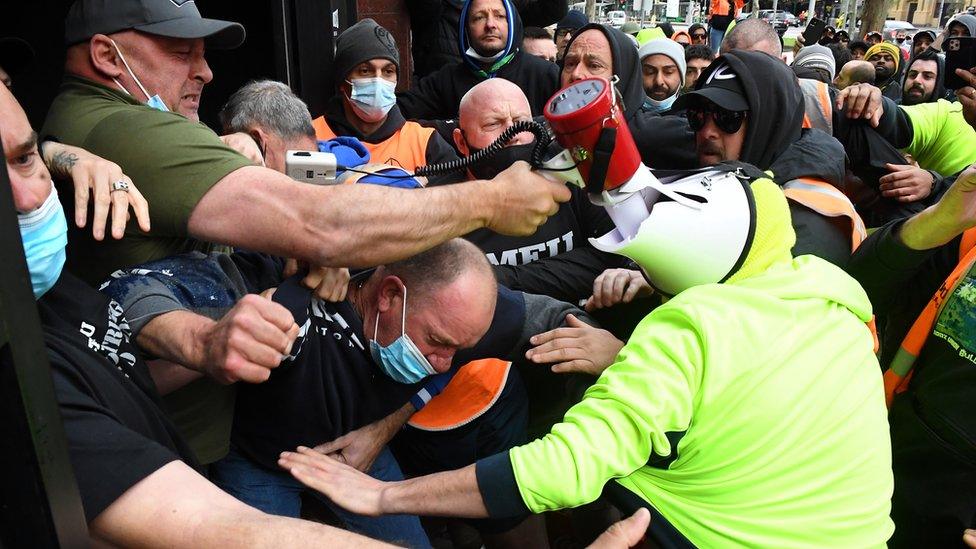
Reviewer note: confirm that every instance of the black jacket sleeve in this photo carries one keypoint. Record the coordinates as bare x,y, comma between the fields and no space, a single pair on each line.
899,280
892,273
664,142
427,99
895,126
567,277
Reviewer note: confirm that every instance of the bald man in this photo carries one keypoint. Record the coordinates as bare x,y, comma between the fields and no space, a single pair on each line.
854,72
753,35
557,260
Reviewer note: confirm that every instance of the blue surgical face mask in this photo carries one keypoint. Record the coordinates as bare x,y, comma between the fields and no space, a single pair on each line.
401,360
155,101
44,232
654,107
372,97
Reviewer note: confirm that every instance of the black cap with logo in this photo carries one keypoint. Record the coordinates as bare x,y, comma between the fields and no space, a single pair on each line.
170,18
722,87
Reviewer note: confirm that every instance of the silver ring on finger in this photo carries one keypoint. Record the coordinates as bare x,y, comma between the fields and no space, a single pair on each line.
120,185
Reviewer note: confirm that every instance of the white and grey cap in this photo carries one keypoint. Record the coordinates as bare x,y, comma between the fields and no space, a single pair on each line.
170,18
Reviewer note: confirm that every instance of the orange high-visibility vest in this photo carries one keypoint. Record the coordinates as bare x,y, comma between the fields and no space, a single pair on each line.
721,7
817,111
899,372
406,148
470,393
827,200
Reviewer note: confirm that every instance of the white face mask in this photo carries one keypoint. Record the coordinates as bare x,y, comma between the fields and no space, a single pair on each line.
154,101
654,106
372,98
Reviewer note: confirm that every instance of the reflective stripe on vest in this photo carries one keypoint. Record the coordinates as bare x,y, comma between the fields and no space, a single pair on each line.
825,199
470,393
817,111
899,372
406,148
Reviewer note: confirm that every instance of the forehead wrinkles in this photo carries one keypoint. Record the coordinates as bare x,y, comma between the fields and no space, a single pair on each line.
591,42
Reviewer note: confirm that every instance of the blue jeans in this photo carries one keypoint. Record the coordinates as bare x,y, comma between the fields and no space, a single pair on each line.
278,493
715,37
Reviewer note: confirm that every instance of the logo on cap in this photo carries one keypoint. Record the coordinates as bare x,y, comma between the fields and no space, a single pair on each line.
385,39
722,72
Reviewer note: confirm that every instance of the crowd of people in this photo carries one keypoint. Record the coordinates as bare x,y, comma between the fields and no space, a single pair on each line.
782,353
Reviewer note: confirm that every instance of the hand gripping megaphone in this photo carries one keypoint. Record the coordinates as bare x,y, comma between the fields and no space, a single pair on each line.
684,229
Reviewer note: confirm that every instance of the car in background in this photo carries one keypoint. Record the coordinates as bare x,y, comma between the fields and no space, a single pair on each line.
893,27
616,18
787,17
775,19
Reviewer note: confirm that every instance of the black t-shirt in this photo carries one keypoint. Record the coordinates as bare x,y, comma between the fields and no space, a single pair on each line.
116,430
900,282
328,387
330,384
944,379
556,260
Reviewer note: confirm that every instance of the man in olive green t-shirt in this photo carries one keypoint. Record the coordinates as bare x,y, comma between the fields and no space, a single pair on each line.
128,62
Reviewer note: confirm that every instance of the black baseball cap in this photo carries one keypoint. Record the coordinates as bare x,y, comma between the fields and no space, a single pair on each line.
722,87
170,18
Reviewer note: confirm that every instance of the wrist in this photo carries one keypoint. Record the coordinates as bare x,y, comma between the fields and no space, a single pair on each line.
486,198
200,341
928,229
387,499
397,419
59,159
45,150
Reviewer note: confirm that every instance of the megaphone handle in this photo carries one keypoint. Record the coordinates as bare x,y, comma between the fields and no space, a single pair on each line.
562,168
602,153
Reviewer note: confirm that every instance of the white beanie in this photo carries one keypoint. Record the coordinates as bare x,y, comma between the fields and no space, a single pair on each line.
666,46
816,57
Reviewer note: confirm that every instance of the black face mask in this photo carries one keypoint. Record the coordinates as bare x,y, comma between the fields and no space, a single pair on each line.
501,160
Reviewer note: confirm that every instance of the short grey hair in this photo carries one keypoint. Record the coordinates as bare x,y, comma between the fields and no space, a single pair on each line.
753,34
270,105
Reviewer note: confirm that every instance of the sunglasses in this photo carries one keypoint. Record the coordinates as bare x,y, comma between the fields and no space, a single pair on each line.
727,121
697,36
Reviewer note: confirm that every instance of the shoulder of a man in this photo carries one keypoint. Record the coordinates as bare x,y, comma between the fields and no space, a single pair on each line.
160,151
929,115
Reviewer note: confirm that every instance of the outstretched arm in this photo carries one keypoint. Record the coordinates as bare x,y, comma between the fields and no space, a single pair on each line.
176,507
451,493
366,225
612,432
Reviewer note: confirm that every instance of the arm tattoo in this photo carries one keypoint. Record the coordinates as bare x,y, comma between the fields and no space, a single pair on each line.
62,163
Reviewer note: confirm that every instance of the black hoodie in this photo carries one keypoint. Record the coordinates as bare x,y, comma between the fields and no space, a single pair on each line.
966,20
775,141
664,142
437,96
775,105
435,28
940,90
